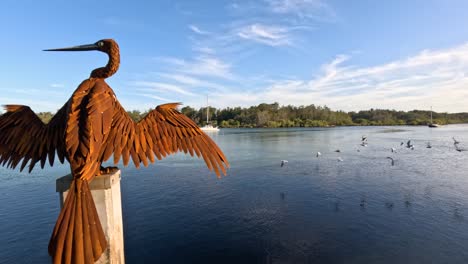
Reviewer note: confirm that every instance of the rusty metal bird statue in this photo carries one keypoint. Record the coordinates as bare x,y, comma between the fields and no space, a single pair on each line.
90,128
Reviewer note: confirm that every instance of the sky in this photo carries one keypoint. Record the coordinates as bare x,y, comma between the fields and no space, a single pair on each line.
348,55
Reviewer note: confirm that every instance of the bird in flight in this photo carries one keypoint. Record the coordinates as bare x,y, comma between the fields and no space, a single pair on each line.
283,162
409,144
91,127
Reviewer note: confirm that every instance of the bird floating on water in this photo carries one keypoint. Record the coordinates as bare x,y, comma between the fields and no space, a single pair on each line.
91,127
340,159
393,161
428,145
457,148
284,162
363,202
318,154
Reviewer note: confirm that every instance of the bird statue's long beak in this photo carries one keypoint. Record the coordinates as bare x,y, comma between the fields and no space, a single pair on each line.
77,48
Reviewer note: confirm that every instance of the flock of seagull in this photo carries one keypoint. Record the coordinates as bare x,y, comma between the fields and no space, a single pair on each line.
409,145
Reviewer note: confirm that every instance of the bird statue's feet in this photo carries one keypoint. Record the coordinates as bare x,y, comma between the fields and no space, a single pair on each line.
108,170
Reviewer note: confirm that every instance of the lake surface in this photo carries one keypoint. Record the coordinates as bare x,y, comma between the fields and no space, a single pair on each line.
312,210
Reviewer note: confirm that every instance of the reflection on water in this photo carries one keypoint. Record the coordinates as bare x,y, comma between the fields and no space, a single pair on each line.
313,209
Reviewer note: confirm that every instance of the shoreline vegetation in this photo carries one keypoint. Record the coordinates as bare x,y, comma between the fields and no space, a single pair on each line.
274,116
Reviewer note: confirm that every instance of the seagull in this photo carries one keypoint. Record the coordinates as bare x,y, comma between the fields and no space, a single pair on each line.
340,159
458,149
337,150
408,144
393,161
455,142
364,138
319,154
363,202
402,143
393,149
283,162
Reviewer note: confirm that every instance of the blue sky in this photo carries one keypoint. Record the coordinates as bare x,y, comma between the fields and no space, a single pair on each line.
348,55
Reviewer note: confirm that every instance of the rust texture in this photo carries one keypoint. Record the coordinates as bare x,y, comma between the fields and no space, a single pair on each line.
91,127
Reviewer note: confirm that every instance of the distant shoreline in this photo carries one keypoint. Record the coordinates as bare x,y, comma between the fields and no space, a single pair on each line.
343,126
275,116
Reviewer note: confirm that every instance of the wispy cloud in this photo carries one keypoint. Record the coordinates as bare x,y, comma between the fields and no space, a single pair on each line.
270,35
152,96
274,23
162,87
436,77
198,30
316,10
202,65
192,81
57,85
204,50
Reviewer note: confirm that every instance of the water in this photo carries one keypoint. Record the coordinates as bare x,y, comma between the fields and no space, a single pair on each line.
312,210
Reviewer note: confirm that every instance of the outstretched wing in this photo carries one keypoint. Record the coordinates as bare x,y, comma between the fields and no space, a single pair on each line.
162,132
23,136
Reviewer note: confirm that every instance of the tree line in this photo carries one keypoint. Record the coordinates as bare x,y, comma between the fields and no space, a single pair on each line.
273,115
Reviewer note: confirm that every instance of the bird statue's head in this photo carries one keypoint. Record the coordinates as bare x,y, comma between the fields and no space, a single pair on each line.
108,46
104,45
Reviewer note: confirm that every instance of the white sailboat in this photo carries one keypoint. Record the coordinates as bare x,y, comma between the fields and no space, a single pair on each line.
208,127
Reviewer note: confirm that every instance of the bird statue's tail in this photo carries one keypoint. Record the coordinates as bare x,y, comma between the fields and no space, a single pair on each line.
78,236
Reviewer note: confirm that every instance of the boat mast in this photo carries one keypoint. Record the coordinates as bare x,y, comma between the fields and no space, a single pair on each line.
431,114
207,110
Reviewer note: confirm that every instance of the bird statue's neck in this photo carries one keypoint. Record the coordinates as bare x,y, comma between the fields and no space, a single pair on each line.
111,67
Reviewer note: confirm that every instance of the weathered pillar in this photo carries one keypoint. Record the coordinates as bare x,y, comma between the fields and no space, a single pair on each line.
106,195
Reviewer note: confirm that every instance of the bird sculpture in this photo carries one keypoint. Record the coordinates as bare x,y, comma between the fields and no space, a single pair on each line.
91,127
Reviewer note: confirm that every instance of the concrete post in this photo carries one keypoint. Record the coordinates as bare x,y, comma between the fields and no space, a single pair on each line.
106,195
